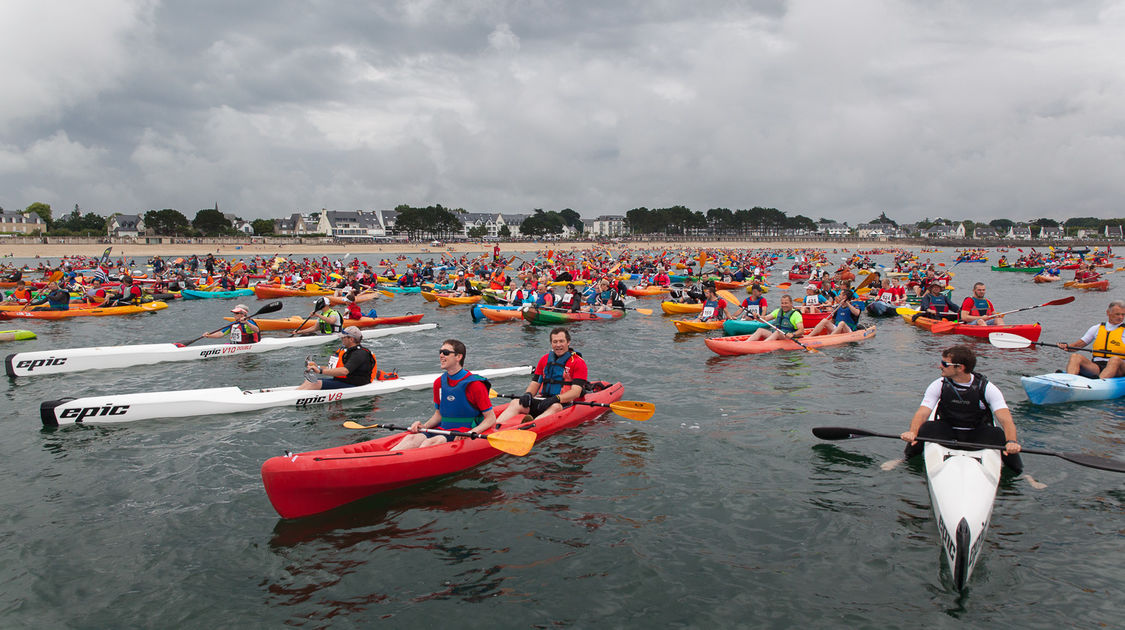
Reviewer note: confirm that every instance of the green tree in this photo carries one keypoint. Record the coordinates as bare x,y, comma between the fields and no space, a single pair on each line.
572,218
721,220
883,218
542,223
211,222
167,222
478,231
1002,225
504,231
262,226
42,209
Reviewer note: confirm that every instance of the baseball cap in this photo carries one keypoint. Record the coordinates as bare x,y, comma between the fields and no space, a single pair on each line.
241,308
353,332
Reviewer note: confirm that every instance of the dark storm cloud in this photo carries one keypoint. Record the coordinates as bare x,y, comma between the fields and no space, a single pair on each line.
841,110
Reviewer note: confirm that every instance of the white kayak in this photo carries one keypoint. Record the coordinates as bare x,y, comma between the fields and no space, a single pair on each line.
107,357
962,489
219,400
1053,389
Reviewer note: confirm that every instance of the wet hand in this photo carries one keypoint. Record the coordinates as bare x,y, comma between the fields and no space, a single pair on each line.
414,427
908,436
1012,447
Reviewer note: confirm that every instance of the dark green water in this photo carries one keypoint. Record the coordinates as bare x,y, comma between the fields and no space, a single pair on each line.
722,510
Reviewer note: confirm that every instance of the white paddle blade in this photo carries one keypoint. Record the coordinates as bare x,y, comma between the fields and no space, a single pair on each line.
1008,340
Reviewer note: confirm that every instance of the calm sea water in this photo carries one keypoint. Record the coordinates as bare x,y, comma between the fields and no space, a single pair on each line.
722,510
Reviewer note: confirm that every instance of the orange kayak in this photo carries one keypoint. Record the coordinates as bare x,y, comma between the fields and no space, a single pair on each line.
85,312
457,301
291,323
730,346
1099,285
648,292
267,291
501,315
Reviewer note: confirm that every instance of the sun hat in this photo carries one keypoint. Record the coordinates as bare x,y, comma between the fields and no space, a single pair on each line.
241,308
352,331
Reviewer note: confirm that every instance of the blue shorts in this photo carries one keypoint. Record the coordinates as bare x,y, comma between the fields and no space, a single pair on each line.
334,383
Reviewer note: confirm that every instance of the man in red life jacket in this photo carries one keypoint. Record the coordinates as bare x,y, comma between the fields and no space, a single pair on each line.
352,365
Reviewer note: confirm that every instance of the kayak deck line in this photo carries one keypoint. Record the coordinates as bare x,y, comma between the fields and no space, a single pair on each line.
224,400
66,360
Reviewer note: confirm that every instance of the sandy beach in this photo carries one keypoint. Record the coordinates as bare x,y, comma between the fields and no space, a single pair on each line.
57,250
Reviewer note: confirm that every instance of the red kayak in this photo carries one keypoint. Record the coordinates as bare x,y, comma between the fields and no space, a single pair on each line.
1027,331
303,484
291,323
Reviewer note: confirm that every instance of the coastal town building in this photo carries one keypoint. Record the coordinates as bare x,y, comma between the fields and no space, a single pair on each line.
833,229
1021,232
1052,233
351,224
125,226
21,223
984,231
1113,231
608,225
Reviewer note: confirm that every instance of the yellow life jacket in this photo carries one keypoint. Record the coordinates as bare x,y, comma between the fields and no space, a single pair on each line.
1109,340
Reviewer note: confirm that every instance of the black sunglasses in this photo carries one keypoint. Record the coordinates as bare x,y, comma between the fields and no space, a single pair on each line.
945,363
446,352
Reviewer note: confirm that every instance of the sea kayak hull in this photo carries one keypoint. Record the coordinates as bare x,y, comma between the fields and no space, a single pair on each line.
291,323
86,312
303,484
962,490
1055,389
110,357
740,344
547,318
223,400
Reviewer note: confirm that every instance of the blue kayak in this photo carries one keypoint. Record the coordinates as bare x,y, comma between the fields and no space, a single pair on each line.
1054,389
191,294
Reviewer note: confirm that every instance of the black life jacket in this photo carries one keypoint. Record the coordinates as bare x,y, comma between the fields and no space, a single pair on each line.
964,407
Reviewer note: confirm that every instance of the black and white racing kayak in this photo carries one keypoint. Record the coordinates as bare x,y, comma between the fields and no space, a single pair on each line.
962,490
106,357
219,400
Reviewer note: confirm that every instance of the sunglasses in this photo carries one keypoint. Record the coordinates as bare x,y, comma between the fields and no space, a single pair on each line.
446,352
946,364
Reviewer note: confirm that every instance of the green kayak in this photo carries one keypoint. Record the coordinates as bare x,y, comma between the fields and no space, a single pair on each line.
548,317
1019,269
16,335
733,327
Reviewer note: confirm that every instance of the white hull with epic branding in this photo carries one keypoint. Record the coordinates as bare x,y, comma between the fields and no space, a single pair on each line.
107,357
218,400
962,489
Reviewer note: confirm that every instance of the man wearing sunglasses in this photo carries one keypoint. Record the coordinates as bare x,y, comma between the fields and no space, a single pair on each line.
967,408
461,401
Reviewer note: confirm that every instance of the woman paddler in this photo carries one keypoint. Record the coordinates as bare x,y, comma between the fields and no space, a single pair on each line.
241,330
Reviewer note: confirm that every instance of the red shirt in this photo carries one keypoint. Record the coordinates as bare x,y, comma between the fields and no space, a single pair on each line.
575,369
476,393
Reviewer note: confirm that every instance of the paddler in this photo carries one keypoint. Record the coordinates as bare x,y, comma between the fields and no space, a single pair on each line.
936,303
977,309
714,307
20,295
351,366
844,318
1107,338
968,410
571,300
754,304
559,378
461,401
328,319
56,299
787,321
241,330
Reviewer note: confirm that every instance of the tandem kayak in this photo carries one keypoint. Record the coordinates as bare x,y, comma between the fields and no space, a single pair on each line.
86,312
1027,331
189,294
302,484
1054,389
16,335
740,344
109,357
546,317
962,490
219,400
291,323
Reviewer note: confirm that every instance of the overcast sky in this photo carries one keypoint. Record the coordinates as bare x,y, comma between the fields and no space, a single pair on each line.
827,108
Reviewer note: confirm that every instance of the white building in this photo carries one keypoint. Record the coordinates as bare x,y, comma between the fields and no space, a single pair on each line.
21,223
125,226
351,224
608,225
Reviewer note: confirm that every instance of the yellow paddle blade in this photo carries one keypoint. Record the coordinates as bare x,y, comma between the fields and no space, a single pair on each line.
863,291
643,311
633,409
312,287
728,296
943,326
514,442
355,425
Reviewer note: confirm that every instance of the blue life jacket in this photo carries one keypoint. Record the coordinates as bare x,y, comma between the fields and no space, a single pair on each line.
552,381
844,314
457,414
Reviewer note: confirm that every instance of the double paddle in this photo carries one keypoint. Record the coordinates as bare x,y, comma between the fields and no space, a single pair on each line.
272,307
631,409
1090,461
1010,341
514,441
946,325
